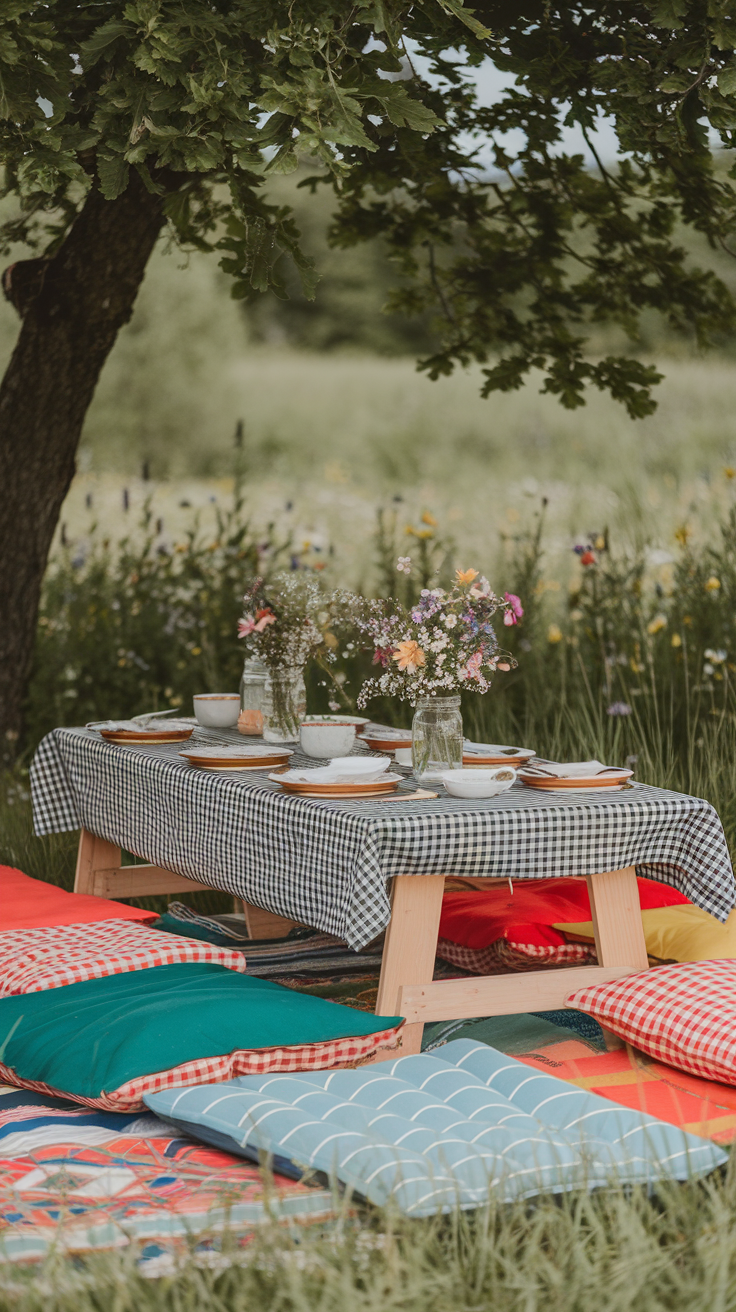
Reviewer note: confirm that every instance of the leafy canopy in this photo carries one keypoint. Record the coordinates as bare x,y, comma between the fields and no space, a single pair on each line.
207,98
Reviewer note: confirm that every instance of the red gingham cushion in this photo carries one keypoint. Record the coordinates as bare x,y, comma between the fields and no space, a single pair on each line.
502,956
684,1015
332,1054
36,959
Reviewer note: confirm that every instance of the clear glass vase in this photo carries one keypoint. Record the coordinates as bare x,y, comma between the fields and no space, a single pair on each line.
252,696
285,704
436,737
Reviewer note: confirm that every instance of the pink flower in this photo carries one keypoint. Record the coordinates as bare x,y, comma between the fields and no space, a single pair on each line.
246,626
473,665
513,615
263,617
382,656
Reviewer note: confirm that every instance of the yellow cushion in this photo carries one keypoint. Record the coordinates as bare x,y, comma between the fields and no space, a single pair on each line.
681,933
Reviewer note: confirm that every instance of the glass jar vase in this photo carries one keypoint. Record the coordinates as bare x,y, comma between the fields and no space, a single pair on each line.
436,737
285,704
252,696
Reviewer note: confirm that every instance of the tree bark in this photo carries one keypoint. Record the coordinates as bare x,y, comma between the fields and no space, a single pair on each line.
72,306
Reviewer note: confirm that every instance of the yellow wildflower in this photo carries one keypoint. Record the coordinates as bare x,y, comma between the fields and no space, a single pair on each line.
429,519
712,584
657,624
464,576
554,633
676,640
600,542
409,656
729,472
683,535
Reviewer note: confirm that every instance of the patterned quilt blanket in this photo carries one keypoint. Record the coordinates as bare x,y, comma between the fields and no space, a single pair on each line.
75,1181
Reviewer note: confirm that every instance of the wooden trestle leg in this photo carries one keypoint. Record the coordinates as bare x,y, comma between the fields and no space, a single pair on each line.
406,987
100,874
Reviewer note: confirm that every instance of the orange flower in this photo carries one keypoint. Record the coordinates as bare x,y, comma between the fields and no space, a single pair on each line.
409,656
465,575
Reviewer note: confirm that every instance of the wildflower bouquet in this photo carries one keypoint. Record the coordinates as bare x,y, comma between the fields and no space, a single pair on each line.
444,644
284,622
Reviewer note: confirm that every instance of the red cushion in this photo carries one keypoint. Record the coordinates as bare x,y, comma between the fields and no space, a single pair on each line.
27,903
684,1015
526,915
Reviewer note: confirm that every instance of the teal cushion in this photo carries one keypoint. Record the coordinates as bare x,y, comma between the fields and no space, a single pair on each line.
90,1038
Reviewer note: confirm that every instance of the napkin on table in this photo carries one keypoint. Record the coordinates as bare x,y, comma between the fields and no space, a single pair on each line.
573,769
345,770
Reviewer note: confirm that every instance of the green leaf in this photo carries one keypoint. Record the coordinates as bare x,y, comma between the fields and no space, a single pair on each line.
727,81
404,111
101,40
456,9
113,173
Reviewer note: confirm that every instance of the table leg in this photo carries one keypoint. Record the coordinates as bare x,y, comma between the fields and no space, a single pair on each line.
407,989
619,934
265,924
411,942
94,854
100,873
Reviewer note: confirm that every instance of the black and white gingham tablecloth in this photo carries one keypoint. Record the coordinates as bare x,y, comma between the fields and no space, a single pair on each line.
327,863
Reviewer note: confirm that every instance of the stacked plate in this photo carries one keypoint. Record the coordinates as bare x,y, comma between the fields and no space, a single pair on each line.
347,776
481,754
550,776
254,756
380,738
132,731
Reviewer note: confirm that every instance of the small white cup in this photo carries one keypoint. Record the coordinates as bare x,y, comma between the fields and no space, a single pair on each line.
217,710
402,756
324,741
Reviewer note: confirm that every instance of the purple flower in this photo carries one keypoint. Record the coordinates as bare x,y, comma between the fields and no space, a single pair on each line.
618,708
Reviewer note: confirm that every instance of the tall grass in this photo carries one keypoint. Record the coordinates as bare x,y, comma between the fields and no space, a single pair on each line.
611,1251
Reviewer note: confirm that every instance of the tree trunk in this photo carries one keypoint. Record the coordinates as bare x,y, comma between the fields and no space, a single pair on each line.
72,306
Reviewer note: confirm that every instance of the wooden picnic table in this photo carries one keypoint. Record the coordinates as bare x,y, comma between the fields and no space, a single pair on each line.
354,867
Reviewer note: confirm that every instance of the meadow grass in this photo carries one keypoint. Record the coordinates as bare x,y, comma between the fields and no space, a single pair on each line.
613,1250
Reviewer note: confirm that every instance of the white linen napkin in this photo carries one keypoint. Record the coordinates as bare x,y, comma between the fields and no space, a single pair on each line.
343,770
573,769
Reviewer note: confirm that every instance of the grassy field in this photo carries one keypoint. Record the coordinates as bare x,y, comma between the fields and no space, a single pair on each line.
329,438
670,1251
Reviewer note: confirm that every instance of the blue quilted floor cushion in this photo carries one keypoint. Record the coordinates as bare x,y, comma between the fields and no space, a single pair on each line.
430,1133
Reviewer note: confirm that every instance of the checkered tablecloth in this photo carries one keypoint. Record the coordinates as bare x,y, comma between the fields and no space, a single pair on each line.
327,863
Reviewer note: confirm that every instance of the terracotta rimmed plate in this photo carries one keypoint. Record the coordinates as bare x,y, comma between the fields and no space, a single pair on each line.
236,759
380,744
552,784
146,735
497,755
376,788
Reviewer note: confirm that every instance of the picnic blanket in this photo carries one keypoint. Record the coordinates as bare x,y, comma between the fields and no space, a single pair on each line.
571,1046
326,863
157,1192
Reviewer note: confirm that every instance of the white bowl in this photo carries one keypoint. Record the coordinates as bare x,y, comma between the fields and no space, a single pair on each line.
402,756
217,710
325,740
478,783
358,720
